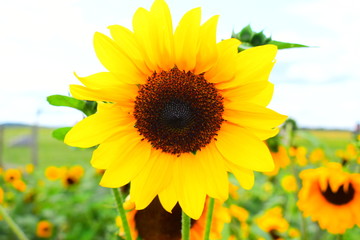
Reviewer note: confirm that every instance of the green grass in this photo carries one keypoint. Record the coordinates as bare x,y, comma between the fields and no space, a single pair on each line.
50,150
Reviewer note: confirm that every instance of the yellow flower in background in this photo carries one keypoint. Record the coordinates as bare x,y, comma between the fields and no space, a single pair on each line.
294,233
233,191
348,154
331,197
300,155
76,171
29,168
1,195
176,110
273,222
12,175
19,185
317,155
238,212
53,173
281,160
72,175
44,229
289,183
155,223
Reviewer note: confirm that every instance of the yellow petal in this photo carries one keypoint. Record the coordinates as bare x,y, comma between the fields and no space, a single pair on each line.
168,197
190,185
113,59
254,64
123,95
252,116
226,66
244,176
264,97
130,161
98,127
216,178
126,41
207,55
259,93
186,39
108,151
243,149
163,30
100,80
143,24
154,177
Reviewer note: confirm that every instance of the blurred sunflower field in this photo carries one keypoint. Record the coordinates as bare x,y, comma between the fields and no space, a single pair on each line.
313,193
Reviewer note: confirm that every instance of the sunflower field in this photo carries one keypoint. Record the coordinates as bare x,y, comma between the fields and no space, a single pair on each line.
178,142
61,199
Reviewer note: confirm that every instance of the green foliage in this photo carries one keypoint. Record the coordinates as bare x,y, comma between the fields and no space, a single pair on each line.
60,133
250,38
87,107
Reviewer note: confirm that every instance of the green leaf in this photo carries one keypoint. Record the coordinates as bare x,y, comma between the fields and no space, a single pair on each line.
65,101
60,133
87,107
284,45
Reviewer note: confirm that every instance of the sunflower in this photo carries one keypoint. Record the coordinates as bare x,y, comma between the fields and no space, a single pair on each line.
153,222
1,195
12,175
331,197
176,110
44,229
72,176
53,173
273,222
289,183
281,160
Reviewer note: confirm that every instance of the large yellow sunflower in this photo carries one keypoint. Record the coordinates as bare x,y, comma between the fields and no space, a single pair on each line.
177,110
331,197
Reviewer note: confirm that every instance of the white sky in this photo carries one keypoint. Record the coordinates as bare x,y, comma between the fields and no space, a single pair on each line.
42,42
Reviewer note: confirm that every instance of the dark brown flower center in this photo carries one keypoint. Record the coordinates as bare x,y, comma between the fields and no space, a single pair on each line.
70,181
339,197
154,223
178,112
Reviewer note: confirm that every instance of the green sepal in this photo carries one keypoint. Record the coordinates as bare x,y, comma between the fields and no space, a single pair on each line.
60,133
250,38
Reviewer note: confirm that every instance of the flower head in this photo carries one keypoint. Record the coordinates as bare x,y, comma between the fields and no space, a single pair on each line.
273,222
176,110
331,197
1,195
289,183
44,229
53,173
12,175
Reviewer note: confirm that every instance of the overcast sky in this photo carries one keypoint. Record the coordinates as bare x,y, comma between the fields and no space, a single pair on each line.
42,42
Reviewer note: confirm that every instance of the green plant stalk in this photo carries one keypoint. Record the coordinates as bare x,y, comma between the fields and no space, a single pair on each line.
119,199
209,216
14,227
185,226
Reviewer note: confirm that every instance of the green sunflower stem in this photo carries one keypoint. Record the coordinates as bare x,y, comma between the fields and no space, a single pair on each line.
119,199
185,226
209,216
13,226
